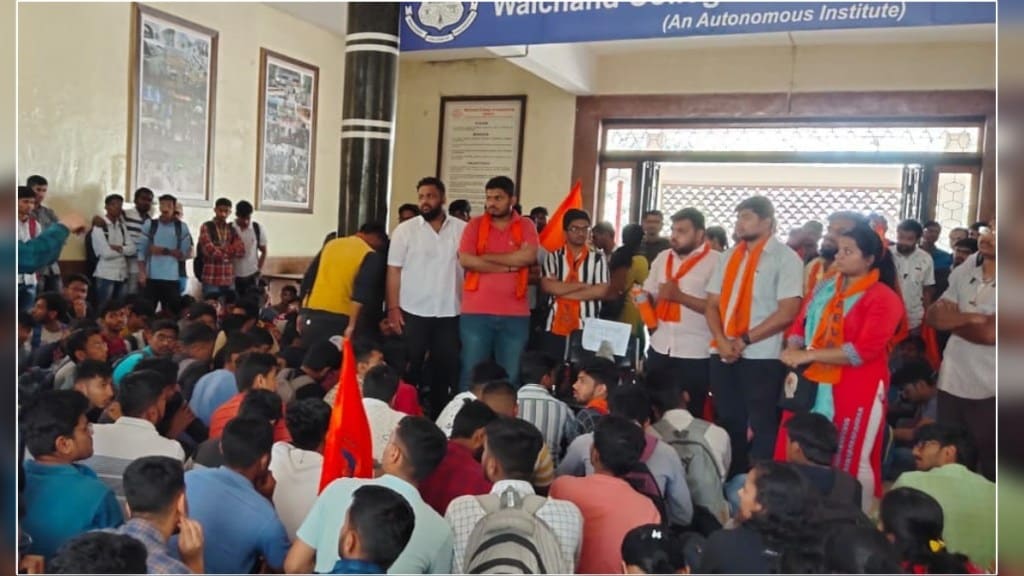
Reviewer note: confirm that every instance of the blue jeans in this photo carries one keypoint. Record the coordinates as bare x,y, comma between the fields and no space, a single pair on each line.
501,337
106,290
732,492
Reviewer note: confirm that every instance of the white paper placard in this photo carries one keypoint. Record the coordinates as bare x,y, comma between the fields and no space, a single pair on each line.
596,331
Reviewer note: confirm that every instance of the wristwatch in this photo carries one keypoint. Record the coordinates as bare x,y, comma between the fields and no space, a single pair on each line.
746,339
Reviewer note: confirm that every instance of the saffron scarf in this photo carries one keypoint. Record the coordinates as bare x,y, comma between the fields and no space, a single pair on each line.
667,310
738,323
829,331
567,312
472,281
599,405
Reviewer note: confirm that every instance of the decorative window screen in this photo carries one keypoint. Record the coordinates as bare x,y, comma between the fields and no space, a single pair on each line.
794,205
954,139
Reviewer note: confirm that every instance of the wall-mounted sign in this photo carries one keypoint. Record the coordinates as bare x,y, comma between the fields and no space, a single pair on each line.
480,137
439,25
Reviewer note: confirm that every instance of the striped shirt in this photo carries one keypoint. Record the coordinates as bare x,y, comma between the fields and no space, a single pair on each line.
134,222
550,415
593,270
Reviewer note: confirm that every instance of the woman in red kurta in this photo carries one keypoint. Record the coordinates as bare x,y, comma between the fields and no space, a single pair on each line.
841,339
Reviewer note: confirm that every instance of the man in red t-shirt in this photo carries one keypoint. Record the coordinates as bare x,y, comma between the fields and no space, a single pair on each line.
497,251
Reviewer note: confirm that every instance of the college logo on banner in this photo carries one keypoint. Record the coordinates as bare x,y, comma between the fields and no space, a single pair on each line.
446,19
450,25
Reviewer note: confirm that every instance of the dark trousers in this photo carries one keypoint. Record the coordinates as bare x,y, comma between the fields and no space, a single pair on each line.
438,339
167,293
691,374
746,393
978,417
318,325
247,284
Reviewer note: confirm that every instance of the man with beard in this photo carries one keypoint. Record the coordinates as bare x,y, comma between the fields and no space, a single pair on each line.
497,250
821,267
753,296
678,285
967,392
424,292
916,272
576,279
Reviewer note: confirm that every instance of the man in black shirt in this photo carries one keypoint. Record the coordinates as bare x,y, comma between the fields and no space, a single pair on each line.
654,244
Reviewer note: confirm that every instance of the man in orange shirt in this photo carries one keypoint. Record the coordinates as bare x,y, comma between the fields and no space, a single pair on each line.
256,371
611,507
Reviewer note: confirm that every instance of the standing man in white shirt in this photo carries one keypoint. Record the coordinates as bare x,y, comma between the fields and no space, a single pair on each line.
424,293
967,378
249,267
134,219
678,286
113,245
915,269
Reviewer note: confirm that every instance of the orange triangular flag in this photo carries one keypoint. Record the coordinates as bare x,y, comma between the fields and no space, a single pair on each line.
348,447
552,237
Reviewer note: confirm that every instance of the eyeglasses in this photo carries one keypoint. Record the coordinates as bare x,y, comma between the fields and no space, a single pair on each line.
579,229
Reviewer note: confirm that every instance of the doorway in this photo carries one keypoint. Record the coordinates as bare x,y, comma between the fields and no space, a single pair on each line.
900,170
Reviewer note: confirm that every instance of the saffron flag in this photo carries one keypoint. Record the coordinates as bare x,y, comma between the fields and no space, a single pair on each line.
348,447
552,237
931,346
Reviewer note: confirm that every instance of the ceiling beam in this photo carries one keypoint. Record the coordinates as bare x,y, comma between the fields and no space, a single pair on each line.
571,67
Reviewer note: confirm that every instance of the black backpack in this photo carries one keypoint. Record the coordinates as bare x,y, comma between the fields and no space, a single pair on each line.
91,258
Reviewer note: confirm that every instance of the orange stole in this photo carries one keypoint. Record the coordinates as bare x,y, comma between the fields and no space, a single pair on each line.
738,323
472,280
567,312
668,310
829,333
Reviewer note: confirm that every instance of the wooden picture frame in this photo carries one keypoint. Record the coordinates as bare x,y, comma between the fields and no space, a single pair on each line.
492,132
286,148
172,106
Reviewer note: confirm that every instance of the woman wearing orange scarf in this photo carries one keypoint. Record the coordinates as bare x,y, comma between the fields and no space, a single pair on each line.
841,340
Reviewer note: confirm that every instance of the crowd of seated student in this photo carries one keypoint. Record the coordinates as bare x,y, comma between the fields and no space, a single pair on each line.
251,483
200,435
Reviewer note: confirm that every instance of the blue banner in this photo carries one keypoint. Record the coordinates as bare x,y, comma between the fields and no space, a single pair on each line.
439,25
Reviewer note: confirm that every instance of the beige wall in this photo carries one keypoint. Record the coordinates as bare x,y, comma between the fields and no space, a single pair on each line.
857,67
73,115
547,142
